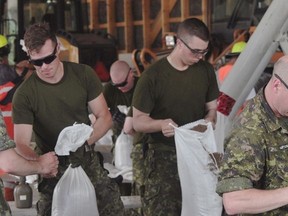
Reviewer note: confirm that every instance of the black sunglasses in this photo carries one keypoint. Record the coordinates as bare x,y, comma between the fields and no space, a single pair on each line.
195,52
47,60
122,84
281,80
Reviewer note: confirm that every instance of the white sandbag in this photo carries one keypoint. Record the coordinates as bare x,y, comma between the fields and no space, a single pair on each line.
74,195
123,149
197,170
71,138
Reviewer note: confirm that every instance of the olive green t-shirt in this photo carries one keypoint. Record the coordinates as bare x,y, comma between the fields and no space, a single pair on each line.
115,96
164,92
52,107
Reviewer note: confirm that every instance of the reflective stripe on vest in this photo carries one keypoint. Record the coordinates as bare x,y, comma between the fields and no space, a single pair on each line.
4,89
7,109
7,113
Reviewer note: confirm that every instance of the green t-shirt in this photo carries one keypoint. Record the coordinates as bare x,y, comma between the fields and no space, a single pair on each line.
115,97
52,107
164,92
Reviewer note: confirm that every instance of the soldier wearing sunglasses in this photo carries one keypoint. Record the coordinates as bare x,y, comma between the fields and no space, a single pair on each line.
178,89
57,95
119,92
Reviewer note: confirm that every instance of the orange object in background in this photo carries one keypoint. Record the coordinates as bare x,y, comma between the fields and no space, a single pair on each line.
7,108
102,71
9,193
223,72
9,190
7,116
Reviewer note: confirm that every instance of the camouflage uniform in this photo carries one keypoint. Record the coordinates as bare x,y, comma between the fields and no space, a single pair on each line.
256,152
5,143
138,154
162,183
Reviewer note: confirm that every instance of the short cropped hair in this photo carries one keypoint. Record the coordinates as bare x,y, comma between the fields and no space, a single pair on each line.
36,35
193,27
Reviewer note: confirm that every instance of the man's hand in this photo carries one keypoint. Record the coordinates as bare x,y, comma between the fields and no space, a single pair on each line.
167,129
212,122
49,164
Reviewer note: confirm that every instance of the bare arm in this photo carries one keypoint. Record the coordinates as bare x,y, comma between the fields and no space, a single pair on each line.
13,163
211,108
103,120
142,122
253,201
22,138
27,160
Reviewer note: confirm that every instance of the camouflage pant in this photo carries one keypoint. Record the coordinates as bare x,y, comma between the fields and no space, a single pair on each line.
138,169
106,189
162,185
4,207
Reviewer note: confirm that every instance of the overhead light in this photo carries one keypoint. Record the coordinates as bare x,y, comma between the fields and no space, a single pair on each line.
51,1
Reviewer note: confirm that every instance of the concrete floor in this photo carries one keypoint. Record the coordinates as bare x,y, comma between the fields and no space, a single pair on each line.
22,212
131,203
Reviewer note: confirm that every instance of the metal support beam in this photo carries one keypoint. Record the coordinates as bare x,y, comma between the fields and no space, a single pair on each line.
257,54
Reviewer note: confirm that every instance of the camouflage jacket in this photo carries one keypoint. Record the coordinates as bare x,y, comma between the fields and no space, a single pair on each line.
256,152
5,143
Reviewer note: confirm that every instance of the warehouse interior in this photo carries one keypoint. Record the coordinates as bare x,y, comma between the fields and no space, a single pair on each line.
141,32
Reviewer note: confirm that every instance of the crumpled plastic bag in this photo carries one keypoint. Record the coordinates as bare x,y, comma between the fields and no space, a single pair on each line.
72,137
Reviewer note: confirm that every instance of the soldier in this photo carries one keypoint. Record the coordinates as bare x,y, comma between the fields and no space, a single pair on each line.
120,92
11,162
56,96
254,177
178,89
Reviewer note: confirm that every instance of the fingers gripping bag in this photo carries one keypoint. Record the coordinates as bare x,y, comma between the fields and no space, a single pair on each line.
74,193
197,167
